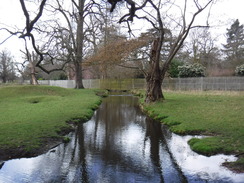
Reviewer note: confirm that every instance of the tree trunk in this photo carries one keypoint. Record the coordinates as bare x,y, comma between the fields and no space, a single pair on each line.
78,77
33,74
33,79
154,89
79,49
4,78
154,77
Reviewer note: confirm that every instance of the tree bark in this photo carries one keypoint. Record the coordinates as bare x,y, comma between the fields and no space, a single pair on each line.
154,77
78,76
154,89
32,71
33,79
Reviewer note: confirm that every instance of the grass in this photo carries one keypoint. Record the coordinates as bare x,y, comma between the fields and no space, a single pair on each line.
220,115
31,115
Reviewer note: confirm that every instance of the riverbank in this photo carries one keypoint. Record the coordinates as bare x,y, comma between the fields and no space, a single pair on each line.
36,118
218,115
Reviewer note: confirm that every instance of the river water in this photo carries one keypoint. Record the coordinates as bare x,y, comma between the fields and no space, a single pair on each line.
120,145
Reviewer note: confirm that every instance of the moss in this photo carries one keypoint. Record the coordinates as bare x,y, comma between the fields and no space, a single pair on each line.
210,146
202,147
66,139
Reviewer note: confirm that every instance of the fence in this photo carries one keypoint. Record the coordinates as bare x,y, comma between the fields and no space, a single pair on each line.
113,84
203,83
60,83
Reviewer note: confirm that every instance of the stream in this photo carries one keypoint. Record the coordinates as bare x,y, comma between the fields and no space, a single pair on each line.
120,144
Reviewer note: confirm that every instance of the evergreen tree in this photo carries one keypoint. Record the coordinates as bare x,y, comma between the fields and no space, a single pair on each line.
234,48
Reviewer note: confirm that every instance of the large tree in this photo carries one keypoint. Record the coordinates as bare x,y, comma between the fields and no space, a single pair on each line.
158,14
234,48
74,48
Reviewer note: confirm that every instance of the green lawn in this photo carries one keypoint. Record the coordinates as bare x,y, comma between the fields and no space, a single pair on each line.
219,115
31,115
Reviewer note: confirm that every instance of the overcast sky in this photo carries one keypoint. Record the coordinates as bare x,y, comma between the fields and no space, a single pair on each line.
222,16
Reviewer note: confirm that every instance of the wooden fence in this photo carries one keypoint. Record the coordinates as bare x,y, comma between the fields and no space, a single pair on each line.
203,83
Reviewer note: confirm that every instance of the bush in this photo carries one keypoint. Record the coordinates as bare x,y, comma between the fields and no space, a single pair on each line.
173,68
191,70
240,70
62,76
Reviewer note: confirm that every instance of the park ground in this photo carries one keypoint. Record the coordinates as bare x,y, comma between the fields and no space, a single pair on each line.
35,118
219,115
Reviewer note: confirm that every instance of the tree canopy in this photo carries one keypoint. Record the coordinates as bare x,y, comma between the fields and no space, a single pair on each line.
234,48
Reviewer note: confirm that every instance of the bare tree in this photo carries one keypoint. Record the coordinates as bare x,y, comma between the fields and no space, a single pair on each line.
203,46
7,71
157,13
73,35
29,34
102,32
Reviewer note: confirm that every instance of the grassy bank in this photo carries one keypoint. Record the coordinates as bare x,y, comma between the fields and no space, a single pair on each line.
219,115
35,116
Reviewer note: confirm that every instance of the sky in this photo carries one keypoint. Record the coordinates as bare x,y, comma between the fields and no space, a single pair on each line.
222,16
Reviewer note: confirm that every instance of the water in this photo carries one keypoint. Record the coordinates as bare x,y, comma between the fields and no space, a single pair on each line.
120,145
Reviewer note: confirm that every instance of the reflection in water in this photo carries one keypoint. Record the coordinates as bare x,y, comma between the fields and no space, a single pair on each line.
119,144
194,165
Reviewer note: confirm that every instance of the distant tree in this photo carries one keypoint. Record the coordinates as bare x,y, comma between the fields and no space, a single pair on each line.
102,31
7,70
203,47
234,48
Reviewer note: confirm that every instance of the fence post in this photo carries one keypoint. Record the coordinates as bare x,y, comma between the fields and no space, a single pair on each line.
201,80
225,83
133,84
179,83
240,89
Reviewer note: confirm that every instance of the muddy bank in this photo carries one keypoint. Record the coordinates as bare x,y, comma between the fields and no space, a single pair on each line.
20,152
46,144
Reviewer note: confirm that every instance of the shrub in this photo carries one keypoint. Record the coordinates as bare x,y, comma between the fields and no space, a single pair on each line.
191,70
62,76
240,70
174,68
